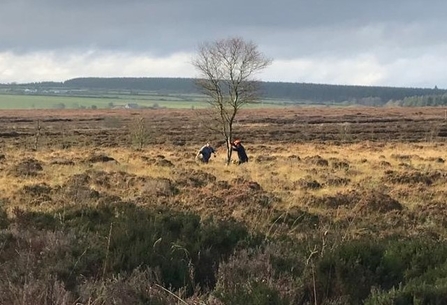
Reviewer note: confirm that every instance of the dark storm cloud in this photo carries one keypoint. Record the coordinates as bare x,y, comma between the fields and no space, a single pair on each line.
378,42
286,27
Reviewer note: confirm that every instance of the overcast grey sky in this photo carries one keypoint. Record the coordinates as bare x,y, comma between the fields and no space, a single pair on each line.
353,42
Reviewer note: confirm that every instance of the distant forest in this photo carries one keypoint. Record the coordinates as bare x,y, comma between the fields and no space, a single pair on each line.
299,93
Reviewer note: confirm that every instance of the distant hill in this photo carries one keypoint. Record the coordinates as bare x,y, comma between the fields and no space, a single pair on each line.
301,93
298,92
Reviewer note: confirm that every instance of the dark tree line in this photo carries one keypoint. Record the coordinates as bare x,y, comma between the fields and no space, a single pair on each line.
424,100
300,93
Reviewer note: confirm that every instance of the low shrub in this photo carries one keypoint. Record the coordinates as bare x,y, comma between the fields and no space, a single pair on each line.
102,252
435,294
356,268
252,277
117,238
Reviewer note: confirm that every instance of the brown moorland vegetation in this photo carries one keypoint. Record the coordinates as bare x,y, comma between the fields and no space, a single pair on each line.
336,206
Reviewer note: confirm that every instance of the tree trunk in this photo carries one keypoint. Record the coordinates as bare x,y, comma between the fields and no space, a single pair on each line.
229,151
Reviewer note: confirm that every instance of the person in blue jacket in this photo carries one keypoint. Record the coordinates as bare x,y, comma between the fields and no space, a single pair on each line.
205,153
239,148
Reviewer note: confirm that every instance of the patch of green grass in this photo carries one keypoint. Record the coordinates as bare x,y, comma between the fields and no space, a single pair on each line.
16,101
76,102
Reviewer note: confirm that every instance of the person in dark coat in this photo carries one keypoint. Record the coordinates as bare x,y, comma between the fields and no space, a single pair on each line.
239,148
205,152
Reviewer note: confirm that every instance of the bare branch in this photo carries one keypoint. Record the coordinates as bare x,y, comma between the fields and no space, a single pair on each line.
226,69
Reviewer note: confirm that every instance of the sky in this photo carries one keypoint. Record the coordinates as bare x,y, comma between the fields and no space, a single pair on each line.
401,43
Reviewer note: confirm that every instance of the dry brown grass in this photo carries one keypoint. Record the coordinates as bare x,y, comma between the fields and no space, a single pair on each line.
298,156
293,174
308,182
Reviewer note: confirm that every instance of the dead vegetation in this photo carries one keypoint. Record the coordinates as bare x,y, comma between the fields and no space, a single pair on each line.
282,173
320,193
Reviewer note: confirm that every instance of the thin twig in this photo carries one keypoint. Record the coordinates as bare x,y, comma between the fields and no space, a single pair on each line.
171,293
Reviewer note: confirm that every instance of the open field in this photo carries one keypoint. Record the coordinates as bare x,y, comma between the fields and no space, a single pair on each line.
110,99
107,100
336,206
181,127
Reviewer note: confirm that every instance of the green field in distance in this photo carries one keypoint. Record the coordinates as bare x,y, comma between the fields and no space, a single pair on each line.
22,101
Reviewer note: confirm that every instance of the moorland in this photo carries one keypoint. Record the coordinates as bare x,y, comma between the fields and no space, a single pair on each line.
337,205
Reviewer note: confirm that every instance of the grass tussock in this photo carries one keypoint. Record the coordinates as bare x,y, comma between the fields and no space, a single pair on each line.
308,224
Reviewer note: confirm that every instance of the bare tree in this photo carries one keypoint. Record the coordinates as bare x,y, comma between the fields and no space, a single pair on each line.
227,69
139,132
